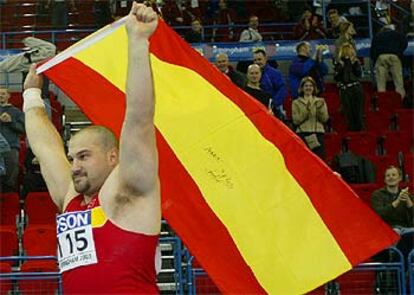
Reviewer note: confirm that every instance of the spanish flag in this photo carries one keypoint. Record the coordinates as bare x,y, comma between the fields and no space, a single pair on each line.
259,211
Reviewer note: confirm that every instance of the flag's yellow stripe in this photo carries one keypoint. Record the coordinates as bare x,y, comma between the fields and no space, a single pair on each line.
241,175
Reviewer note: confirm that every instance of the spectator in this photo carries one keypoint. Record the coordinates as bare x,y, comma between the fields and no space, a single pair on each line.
178,13
347,33
271,82
303,65
222,63
60,12
347,73
309,113
196,34
251,34
309,27
224,16
408,23
252,87
33,180
387,49
335,21
395,207
101,13
11,127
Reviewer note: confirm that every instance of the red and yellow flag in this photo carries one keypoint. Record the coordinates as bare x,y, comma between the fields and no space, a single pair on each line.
259,211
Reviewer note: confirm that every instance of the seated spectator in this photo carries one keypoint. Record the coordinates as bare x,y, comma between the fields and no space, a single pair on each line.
309,114
101,13
254,74
271,82
346,35
335,21
178,13
395,206
348,71
11,127
251,34
222,63
303,65
196,34
224,16
309,27
33,180
60,12
387,50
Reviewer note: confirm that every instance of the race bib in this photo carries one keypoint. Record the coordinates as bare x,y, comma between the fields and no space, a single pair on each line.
76,246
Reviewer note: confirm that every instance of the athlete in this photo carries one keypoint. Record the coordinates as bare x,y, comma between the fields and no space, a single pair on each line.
108,192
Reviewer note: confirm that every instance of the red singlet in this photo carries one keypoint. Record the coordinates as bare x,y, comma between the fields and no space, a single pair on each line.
125,259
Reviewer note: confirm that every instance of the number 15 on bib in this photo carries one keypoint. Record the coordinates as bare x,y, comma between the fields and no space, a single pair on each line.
76,246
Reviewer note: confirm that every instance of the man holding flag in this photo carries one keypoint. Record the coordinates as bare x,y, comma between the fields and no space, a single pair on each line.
109,196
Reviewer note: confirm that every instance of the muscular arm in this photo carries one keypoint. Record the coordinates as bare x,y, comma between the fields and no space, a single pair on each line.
138,166
47,146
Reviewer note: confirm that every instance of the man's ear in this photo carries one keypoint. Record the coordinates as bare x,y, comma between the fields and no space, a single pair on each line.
113,156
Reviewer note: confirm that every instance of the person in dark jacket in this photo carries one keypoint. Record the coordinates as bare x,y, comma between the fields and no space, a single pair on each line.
222,63
196,34
348,71
303,65
387,49
11,127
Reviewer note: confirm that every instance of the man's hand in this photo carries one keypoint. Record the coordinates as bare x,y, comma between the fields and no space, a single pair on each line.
404,196
141,21
5,118
33,80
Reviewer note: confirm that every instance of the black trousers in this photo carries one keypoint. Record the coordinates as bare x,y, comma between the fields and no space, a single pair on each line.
352,100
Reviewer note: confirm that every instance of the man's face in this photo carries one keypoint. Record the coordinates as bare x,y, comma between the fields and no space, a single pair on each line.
222,63
254,74
254,22
196,26
91,164
333,18
4,96
392,177
259,59
306,50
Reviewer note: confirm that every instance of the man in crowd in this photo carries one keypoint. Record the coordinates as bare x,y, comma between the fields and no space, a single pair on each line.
195,35
251,34
303,65
254,74
11,127
387,49
271,82
335,21
111,190
222,63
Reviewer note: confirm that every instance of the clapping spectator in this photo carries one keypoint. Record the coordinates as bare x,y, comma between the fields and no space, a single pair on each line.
309,114
348,72
251,34
304,65
309,27
347,33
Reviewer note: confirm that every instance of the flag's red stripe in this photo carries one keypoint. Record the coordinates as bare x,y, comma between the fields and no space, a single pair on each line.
182,202
358,231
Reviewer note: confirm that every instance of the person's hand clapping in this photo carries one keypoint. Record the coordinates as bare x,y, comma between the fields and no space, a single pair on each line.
141,22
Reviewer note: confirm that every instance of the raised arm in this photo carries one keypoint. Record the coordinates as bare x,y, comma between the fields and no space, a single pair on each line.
45,141
138,166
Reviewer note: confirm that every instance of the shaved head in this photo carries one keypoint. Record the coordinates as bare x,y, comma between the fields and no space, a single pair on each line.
103,136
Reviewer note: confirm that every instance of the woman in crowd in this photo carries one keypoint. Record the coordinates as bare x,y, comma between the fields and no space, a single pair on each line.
309,113
309,27
347,33
348,71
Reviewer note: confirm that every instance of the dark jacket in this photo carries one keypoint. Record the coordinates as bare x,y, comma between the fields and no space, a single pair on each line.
12,130
381,203
390,42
